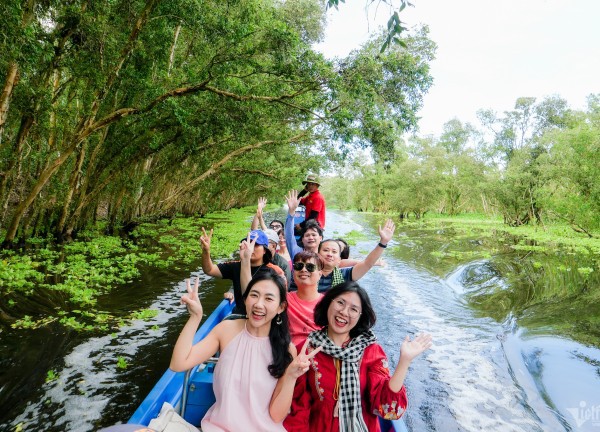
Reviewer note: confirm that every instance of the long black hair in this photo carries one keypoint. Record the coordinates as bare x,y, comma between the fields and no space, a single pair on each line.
344,248
279,334
367,317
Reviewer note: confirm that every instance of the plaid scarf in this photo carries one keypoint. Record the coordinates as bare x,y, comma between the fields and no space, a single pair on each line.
337,277
350,410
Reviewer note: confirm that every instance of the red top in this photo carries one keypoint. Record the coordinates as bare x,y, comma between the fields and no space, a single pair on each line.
315,201
301,315
313,403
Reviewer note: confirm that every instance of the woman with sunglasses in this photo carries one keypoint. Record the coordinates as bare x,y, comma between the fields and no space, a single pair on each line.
348,383
301,304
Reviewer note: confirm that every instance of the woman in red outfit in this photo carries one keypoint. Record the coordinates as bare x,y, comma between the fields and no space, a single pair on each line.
348,383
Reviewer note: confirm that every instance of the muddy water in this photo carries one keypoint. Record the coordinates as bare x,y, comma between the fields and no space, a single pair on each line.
516,339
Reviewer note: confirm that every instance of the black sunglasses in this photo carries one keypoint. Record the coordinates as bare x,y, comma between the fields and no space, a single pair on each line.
310,267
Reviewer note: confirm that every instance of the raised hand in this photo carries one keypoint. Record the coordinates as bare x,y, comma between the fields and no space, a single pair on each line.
191,299
387,232
292,201
262,202
247,248
412,348
299,366
205,240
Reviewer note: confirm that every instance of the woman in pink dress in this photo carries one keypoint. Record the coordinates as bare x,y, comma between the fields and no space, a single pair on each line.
255,353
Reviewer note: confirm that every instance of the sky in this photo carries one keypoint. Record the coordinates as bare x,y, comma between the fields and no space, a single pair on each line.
489,52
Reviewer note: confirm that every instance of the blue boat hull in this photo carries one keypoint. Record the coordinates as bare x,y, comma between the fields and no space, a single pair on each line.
200,395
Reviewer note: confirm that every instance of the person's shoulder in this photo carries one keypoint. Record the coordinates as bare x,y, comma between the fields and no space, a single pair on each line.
232,263
230,326
280,261
277,269
346,270
374,352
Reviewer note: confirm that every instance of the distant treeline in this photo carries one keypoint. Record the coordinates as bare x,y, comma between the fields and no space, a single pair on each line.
536,163
138,109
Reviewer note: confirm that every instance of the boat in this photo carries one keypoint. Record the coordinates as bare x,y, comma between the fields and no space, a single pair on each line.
191,393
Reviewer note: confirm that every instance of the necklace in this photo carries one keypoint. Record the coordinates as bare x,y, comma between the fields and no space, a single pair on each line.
336,389
259,267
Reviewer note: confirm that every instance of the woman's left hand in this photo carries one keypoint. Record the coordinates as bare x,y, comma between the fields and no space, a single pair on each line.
412,348
387,232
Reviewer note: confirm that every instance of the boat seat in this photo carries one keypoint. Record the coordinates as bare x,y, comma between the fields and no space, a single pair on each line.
198,394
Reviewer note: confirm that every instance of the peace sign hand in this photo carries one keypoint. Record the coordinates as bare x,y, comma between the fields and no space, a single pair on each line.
205,240
299,366
191,299
247,248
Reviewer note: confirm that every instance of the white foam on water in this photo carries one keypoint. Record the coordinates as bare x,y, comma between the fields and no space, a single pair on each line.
90,376
476,395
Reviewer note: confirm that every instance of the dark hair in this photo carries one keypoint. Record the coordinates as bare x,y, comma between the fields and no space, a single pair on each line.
279,334
278,221
329,241
305,255
344,248
367,317
312,224
268,256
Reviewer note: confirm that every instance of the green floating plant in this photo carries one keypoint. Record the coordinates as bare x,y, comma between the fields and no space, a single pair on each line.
51,376
121,362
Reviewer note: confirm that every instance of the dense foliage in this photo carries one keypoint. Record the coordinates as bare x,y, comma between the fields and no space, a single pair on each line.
534,164
128,110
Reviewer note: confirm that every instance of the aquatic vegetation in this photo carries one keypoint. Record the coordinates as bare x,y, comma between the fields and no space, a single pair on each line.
353,237
70,278
51,376
144,315
122,362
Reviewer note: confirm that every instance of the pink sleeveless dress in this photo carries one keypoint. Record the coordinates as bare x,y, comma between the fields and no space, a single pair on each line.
243,387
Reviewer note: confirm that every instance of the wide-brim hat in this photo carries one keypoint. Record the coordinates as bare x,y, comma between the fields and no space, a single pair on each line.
311,178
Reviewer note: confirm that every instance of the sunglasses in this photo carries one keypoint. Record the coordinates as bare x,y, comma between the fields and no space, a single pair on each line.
310,267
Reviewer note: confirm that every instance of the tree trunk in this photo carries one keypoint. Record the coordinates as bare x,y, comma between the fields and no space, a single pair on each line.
172,54
69,196
11,80
26,123
114,211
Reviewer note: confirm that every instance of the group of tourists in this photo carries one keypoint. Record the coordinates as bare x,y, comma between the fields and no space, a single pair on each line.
301,355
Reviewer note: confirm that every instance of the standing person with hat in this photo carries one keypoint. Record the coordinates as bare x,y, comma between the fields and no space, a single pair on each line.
260,260
314,202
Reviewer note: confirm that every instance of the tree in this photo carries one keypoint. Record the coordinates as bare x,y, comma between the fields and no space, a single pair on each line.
146,108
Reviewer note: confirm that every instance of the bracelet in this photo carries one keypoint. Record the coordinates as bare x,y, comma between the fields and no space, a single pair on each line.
381,245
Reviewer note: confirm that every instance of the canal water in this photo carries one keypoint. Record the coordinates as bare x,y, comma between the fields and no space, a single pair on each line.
515,333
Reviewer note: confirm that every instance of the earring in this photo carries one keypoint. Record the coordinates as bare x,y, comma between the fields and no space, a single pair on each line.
278,321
